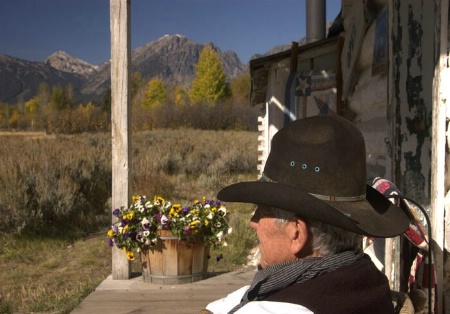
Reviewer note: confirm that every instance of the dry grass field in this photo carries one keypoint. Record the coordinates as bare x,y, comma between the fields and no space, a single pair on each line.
55,196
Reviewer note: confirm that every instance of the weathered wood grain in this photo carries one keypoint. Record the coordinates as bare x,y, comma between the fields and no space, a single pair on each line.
120,119
136,296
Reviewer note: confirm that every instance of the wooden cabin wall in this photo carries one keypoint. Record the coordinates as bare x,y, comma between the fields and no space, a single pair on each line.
273,111
411,94
418,99
368,101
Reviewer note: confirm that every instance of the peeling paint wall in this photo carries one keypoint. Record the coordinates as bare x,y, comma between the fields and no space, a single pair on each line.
412,39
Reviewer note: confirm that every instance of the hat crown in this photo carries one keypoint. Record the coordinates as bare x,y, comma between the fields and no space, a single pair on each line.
323,155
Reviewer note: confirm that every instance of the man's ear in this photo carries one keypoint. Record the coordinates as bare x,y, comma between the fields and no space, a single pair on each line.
300,238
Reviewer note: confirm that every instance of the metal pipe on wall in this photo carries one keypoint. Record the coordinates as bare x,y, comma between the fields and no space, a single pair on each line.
315,20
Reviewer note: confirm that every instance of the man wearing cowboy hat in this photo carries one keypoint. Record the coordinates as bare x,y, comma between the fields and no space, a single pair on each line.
313,206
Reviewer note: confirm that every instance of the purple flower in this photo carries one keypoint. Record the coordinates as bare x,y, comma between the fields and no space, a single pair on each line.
185,210
110,243
116,212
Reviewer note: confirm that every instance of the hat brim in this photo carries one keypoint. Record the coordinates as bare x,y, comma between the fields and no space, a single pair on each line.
375,216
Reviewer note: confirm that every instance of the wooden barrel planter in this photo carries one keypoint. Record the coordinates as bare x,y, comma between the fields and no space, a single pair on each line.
175,261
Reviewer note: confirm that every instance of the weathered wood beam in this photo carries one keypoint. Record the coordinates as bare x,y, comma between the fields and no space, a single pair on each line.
120,120
438,144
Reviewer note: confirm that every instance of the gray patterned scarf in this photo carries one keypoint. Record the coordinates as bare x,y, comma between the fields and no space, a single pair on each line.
276,277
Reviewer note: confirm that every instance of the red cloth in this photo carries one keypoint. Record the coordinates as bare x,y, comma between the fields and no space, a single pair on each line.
414,272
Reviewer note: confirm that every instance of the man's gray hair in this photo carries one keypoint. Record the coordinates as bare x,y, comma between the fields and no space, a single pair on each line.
326,239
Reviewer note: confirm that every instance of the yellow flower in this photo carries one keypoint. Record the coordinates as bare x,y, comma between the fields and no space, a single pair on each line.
110,233
203,199
159,200
130,256
135,198
194,224
130,215
175,210
125,229
206,222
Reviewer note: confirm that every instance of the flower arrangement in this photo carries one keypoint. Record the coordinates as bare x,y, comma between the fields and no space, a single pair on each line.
137,226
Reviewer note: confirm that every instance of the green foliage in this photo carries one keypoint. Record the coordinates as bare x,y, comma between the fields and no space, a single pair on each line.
210,83
58,99
155,95
106,101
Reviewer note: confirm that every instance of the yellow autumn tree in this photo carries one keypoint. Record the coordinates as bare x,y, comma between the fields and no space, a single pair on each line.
32,108
155,94
210,83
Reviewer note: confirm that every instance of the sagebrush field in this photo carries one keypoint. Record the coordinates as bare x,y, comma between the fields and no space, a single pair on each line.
55,194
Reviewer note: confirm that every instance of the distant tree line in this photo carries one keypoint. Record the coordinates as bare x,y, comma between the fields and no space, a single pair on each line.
211,103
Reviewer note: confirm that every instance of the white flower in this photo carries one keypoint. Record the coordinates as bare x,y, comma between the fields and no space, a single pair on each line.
146,233
210,216
144,221
222,211
167,205
164,219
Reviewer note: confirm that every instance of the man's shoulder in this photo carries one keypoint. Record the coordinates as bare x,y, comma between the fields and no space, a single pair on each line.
224,305
268,307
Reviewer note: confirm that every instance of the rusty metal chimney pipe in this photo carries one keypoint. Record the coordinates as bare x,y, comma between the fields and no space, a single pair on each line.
315,20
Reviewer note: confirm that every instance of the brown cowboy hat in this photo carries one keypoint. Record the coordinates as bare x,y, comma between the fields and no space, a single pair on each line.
317,169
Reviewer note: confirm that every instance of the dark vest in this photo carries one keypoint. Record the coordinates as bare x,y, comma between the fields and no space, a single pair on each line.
358,288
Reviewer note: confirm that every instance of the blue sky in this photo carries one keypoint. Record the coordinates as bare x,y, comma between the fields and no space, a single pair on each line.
34,29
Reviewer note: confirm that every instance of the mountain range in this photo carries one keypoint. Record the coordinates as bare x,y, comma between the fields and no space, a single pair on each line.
171,58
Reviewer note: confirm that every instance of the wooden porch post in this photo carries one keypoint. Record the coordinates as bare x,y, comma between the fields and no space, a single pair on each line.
120,120
438,144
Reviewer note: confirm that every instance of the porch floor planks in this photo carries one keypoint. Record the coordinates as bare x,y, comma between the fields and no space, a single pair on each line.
135,296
